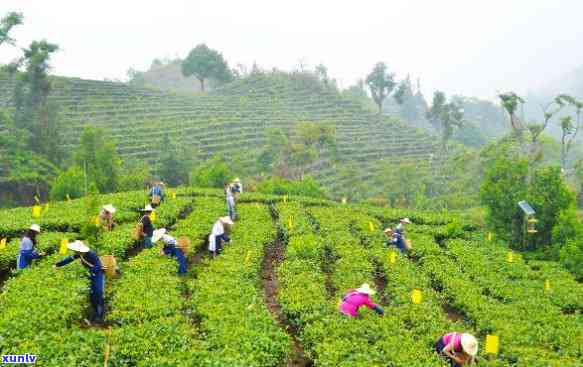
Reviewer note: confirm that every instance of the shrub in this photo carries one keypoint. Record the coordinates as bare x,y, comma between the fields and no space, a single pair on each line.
279,186
212,173
70,182
571,255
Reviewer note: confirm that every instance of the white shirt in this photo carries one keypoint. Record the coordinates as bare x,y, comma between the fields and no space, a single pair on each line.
218,229
168,240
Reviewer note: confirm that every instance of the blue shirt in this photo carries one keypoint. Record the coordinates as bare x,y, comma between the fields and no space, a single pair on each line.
26,244
90,261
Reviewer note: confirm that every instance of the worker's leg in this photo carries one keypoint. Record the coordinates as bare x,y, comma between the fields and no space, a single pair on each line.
147,242
181,260
97,299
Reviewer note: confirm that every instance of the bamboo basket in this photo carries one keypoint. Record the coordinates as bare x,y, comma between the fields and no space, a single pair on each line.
138,231
156,199
408,244
184,244
109,265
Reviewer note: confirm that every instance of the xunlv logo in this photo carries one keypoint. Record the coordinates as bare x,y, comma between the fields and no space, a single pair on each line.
19,358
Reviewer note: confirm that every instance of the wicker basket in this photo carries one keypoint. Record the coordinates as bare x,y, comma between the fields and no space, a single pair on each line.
156,199
184,244
109,265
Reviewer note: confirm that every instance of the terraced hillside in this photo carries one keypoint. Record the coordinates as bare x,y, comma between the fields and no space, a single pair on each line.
232,117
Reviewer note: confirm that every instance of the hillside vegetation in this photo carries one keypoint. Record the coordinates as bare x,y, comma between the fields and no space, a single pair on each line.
232,120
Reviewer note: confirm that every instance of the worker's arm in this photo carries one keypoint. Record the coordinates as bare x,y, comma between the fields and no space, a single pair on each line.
449,351
67,260
378,309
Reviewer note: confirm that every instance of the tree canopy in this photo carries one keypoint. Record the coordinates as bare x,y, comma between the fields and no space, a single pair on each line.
205,63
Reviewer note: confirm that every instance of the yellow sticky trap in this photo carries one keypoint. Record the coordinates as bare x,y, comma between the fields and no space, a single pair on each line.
489,236
393,257
371,226
547,285
510,257
96,221
173,195
63,247
36,210
416,296
248,257
290,223
492,344
153,216
3,244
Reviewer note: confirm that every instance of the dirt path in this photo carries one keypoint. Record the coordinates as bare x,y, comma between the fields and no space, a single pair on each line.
274,255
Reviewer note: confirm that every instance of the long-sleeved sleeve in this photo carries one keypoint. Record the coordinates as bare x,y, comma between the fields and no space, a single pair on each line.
67,260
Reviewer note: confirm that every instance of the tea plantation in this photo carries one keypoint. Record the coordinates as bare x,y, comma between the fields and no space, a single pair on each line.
271,298
230,118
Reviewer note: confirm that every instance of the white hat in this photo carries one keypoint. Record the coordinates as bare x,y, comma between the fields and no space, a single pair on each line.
109,208
405,220
162,183
365,288
388,230
78,246
226,220
158,234
148,208
237,180
35,227
469,344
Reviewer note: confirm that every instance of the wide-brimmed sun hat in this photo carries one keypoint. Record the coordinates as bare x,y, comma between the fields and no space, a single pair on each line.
237,180
109,208
406,221
78,246
365,288
35,227
226,220
158,234
469,344
148,208
387,230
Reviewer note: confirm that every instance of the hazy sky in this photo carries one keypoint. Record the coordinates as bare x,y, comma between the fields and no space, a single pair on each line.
472,47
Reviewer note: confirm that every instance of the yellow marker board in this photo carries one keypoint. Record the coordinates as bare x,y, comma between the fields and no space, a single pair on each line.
510,257
371,226
290,223
3,244
36,210
63,247
248,257
153,216
416,296
489,236
96,221
492,344
547,285
393,257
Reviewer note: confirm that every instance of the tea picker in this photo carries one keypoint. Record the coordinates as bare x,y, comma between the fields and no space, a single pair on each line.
218,236
106,217
171,248
92,263
26,252
237,187
399,236
157,194
356,298
147,228
459,348
230,201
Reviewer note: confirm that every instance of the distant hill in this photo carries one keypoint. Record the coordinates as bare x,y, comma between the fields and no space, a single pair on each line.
232,120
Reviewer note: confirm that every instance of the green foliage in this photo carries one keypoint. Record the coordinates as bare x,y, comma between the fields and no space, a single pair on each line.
445,116
8,22
381,84
97,155
69,183
134,177
205,63
174,163
307,186
571,256
212,173
503,186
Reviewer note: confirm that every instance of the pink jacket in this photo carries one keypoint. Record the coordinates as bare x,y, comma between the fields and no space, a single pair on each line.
353,301
457,341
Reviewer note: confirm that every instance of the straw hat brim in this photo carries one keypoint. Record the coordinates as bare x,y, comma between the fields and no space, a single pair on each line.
365,288
469,344
226,220
78,246
158,234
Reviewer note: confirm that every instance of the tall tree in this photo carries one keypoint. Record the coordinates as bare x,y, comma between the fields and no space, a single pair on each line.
510,102
97,156
381,83
205,63
10,21
174,165
445,116
569,128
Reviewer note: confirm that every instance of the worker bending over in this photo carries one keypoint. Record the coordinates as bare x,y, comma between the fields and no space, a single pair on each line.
170,248
218,236
147,226
106,217
26,252
356,298
92,263
459,348
399,235
156,194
